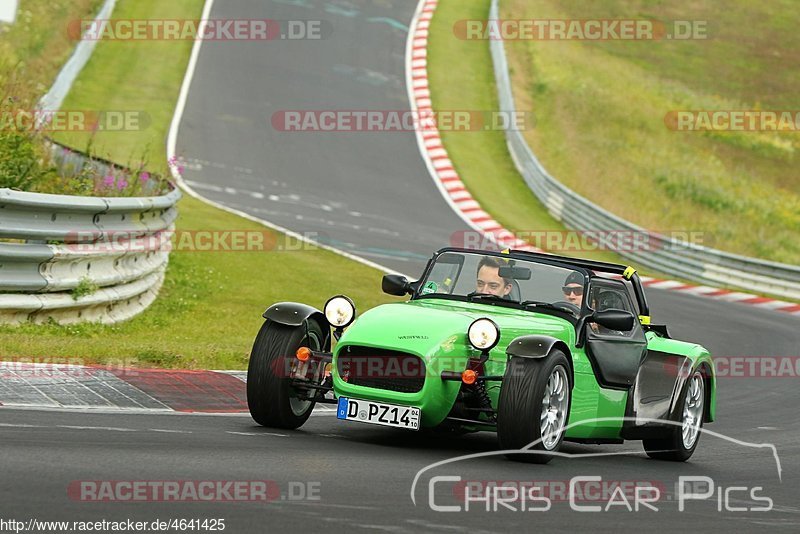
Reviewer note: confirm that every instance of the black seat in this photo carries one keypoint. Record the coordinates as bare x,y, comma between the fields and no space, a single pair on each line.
516,292
609,300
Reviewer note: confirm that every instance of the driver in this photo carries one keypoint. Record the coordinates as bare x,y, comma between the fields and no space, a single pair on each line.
489,280
573,289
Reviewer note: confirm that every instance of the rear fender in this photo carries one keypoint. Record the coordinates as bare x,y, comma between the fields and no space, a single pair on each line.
706,366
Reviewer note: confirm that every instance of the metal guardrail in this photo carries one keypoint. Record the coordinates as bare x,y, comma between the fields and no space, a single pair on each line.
70,258
668,255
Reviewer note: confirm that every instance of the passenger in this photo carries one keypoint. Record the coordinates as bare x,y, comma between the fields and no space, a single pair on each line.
573,289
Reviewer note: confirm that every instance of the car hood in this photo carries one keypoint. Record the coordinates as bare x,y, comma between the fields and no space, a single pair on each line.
429,326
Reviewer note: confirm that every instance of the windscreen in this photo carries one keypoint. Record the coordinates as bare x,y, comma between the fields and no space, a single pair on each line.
515,281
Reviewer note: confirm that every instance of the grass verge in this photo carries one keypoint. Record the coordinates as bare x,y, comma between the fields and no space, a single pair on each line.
138,76
209,309
33,49
601,109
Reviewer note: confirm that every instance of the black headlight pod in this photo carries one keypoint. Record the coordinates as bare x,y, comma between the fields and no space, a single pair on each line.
483,334
340,311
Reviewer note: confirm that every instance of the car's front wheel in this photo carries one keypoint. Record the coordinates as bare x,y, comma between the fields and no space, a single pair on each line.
680,441
270,396
534,406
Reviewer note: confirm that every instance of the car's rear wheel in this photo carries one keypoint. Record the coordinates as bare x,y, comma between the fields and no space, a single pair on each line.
681,441
270,396
534,406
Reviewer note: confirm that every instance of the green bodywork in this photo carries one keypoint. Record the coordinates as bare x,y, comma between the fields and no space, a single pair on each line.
436,330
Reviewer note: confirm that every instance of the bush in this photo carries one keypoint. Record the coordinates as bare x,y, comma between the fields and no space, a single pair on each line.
19,163
31,162
23,161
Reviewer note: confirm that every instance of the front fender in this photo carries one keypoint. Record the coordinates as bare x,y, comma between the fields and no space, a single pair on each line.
539,346
534,346
295,314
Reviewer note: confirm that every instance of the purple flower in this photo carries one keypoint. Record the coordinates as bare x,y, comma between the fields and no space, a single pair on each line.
174,163
122,184
144,177
108,181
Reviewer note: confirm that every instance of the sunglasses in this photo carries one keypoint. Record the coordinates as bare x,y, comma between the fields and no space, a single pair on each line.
576,290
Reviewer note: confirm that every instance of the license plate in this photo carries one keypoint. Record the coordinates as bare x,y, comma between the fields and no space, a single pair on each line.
378,413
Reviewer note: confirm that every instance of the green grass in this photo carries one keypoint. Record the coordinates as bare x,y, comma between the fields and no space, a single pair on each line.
143,76
32,51
34,48
600,111
210,306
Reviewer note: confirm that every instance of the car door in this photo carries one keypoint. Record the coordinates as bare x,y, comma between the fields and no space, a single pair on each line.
615,355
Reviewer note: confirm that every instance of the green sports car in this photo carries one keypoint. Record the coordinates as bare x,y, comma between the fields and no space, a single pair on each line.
536,347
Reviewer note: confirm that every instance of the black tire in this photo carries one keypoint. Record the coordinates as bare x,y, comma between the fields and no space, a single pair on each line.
270,397
671,447
520,406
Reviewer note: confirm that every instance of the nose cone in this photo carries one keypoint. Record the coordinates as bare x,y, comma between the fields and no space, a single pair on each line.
416,329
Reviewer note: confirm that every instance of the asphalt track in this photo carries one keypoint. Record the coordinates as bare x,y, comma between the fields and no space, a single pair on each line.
371,194
367,193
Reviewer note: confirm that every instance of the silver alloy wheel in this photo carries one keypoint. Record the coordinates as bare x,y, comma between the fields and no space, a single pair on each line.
693,410
298,406
555,404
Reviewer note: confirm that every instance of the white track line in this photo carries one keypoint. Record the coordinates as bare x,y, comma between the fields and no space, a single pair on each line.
172,142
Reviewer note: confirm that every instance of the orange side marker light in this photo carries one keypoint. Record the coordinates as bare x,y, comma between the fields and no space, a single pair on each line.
469,377
303,354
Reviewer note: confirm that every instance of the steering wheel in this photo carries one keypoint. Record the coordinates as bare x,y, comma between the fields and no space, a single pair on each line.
490,296
567,306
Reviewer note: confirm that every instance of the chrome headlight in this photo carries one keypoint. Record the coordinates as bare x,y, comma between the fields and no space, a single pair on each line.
340,311
483,334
